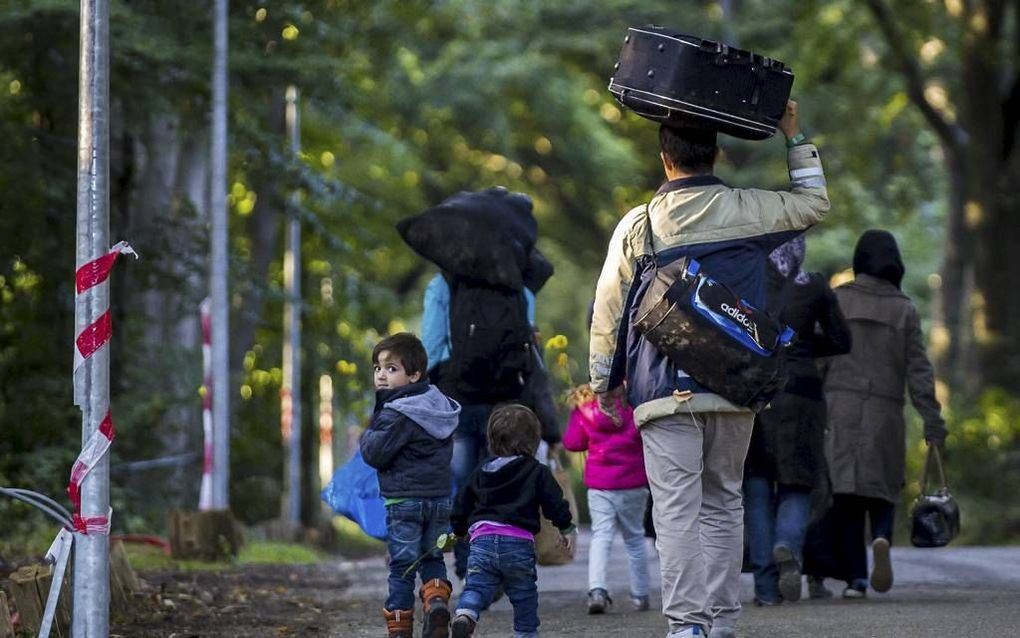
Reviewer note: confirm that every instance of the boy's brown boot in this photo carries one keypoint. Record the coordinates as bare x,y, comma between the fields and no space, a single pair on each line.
435,599
399,623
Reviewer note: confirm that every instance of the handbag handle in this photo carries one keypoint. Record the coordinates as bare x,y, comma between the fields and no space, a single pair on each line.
933,452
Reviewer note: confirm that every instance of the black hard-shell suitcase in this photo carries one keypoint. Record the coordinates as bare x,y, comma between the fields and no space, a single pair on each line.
682,80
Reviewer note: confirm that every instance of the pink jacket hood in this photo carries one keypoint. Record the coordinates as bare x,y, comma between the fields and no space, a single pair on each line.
615,456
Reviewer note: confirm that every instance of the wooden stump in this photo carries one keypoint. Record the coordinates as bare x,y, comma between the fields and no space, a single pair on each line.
6,628
25,597
30,587
210,535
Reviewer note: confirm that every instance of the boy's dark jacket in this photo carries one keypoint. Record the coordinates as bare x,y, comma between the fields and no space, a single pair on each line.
410,441
511,494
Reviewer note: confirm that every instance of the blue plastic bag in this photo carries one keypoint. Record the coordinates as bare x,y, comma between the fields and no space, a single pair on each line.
354,492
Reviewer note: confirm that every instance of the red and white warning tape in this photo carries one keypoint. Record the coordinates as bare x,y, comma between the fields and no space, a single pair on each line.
87,343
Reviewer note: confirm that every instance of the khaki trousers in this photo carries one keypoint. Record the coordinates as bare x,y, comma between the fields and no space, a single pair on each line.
695,466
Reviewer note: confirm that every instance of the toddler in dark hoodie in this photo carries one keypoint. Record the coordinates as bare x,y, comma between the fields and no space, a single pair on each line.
500,510
410,442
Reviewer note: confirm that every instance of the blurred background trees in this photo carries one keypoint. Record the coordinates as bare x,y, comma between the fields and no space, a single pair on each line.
914,105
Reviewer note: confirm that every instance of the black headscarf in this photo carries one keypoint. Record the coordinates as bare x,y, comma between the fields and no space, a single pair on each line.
878,255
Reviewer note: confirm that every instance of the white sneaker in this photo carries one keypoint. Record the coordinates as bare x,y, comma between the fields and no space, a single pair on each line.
881,572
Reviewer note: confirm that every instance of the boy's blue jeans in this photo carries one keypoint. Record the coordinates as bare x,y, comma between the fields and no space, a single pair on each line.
413,526
503,560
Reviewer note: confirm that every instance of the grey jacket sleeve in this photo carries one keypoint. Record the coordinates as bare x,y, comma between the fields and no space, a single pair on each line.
803,206
921,382
611,295
383,439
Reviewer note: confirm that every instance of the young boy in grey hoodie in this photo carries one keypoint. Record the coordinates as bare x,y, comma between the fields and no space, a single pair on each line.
410,442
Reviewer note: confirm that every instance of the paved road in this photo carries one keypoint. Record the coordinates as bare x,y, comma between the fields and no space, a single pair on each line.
951,592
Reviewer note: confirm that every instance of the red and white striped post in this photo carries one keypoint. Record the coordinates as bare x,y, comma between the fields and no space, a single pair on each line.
290,392
91,499
205,494
90,341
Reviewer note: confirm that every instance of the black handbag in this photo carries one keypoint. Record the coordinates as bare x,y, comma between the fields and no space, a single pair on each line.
724,343
935,516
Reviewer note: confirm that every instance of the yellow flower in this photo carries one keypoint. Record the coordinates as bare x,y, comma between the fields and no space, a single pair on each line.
559,342
346,368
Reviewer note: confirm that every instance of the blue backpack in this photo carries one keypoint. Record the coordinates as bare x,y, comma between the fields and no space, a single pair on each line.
354,492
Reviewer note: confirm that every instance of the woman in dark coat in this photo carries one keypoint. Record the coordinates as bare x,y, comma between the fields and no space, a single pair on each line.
786,459
866,441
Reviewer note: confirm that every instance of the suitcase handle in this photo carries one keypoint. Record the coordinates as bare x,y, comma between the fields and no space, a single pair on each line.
723,57
710,46
721,51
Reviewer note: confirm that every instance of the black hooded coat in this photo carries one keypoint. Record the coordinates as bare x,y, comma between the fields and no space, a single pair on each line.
787,444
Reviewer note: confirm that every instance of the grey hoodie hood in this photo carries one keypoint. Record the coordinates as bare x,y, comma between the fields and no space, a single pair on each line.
435,412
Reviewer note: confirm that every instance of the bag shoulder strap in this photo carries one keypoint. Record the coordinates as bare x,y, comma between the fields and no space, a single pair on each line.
784,291
651,237
648,230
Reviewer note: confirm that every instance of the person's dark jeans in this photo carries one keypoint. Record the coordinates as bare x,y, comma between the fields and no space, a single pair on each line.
848,512
508,562
775,514
470,447
413,526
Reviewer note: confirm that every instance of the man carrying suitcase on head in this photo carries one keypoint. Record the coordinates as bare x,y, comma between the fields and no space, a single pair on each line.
695,441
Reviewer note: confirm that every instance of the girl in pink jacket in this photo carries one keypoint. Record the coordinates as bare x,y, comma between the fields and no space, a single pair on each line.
617,495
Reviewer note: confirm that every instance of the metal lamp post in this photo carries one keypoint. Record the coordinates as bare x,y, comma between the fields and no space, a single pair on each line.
92,378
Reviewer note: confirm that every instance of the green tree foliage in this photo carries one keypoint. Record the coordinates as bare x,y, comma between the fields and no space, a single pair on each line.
404,102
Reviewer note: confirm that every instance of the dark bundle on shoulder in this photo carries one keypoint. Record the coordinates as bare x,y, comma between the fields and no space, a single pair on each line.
484,243
485,237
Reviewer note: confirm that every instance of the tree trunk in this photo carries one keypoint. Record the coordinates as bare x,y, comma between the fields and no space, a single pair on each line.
977,336
996,302
992,209
263,230
193,175
162,209
952,333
